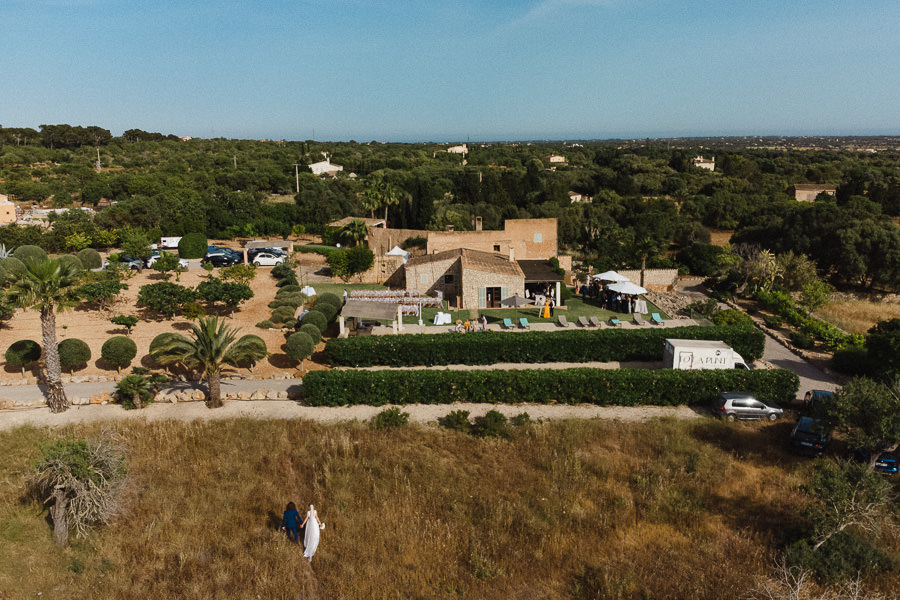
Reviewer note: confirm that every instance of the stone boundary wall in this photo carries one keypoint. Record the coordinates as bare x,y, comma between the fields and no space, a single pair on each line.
165,396
658,280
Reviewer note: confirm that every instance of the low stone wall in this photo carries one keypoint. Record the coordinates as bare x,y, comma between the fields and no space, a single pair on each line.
168,397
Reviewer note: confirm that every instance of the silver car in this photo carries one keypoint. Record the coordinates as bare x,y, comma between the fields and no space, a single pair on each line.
740,405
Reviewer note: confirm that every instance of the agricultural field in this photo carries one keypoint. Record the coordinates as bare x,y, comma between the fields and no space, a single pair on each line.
571,509
858,316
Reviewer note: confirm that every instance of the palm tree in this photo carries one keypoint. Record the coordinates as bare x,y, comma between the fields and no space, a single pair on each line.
645,247
354,232
389,195
371,199
45,285
211,348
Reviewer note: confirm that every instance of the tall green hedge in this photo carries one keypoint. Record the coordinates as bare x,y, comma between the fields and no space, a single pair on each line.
621,387
90,258
602,345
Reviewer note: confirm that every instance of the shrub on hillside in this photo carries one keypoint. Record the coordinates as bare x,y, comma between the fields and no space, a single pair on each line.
288,280
458,420
622,387
29,253
329,298
73,353
14,267
852,360
90,258
290,323
603,345
390,418
299,346
280,315
22,353
267,324
312,331
165,297
328,310
71,259
193,245
118,351
492,424
316,318
731,316
288,289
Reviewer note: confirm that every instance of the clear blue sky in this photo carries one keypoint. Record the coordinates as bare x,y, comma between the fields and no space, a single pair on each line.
448,70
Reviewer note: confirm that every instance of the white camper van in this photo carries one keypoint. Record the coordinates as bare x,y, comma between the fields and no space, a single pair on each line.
690,355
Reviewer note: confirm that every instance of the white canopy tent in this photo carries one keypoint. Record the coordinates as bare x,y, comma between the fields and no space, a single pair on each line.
398,251
610,276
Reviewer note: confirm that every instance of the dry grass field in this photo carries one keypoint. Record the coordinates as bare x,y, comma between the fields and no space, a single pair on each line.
858,316
577,509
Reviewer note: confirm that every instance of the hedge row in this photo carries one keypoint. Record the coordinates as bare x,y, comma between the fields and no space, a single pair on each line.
491,347
781,303
620,387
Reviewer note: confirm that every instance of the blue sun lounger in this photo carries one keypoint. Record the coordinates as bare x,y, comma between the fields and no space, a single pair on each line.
507,324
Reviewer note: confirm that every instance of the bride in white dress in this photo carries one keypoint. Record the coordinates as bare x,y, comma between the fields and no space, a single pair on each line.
311,535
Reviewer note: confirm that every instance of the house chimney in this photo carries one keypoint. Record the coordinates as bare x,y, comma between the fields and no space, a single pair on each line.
478,223
512,254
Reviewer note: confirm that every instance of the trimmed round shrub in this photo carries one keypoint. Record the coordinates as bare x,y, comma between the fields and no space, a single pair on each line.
312,331
14,267
118,351
288,280
288,289
279,271
90,258
3,274
390,418
267,324
299,346
22,353
71,259
290,323
328,310
280,315
193,245
457,420
73,353
29,253
315,317
329,298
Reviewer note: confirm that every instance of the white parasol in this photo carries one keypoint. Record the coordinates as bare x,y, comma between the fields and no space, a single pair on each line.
626,287
308,291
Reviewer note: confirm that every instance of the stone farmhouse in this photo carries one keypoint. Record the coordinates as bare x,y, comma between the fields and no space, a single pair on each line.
467,278
325,168
807,192
704,163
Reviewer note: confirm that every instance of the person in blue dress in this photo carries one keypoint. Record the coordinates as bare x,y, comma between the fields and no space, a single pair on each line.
290,521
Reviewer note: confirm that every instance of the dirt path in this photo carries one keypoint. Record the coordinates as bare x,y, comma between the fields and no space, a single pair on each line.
288,409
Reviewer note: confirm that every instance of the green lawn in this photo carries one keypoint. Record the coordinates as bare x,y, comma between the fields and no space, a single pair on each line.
575,308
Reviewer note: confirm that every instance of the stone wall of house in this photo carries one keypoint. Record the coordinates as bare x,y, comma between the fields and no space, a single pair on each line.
658,280
428,278
473,280
383,240
383,269
527,238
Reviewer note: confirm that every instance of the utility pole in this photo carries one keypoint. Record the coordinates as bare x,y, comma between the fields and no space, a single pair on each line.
97,166
297,175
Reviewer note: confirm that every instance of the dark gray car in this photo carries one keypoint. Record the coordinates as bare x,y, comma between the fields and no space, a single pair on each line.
740,405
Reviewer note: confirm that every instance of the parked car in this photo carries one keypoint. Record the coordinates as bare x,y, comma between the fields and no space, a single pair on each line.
221,259
814,399
181,262
135,264
252,252
740,405
886,462
810,436
265,259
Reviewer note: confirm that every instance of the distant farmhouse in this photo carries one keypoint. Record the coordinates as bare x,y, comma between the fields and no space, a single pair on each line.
807,192
555,159
325,168
576,198
461,149
7,210
704,163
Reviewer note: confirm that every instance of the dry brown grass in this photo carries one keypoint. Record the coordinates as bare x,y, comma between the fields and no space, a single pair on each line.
585,509
858,316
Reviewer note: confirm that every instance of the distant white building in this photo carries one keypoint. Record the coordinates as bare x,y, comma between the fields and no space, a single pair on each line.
575,198
555,159
704,163
325,168
462,149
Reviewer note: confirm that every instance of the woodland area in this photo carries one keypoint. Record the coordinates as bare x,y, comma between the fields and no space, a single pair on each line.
649,202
